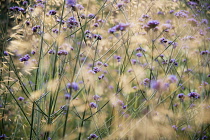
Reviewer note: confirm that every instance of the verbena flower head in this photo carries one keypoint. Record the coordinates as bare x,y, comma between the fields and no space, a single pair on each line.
181,14
73,86
172,79
194,95
92,136
21,98
96,97
25,58
71,2
62,52
93,105
67,96
52,12
139,54
181,96
152,23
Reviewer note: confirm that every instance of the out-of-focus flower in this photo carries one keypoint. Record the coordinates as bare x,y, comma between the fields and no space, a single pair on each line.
96,97
21,98
181,14
71,2
194,95
51,51
25,58
73,86
67,96
6,53
172,79
52,12
93,105
92,136
153,23
204,21
62,52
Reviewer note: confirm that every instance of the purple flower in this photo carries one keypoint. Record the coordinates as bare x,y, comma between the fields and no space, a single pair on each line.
145,16
93,105
101,77
204,21
92,136
172,79
171,11
139,54
98,37
52,12
95,24
71,2
6,53
105,65
181,96
96,97
33,52
91,16
194,95
96,69
21,98
3,136
120,5
51,51
118,58
133,61
174,127
72,22
112,30
27,23
146,82
181,14
73,86
152,23
163,40
25,58
25,3
124,106
67,96
62,52
119,27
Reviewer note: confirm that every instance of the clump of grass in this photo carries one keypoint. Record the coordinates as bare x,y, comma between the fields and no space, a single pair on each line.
106,70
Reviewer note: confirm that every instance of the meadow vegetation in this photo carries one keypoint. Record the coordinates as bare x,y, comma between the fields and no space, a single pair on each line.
106,69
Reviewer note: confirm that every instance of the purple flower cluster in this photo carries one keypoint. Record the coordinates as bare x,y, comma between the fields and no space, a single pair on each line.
92,136
71,2
35,28
16,8
72,23
25,58
194,95
21,98
52,12
93,105
181,14
51,51
181,96
96,97
119,27
152,23
73,86
62,52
